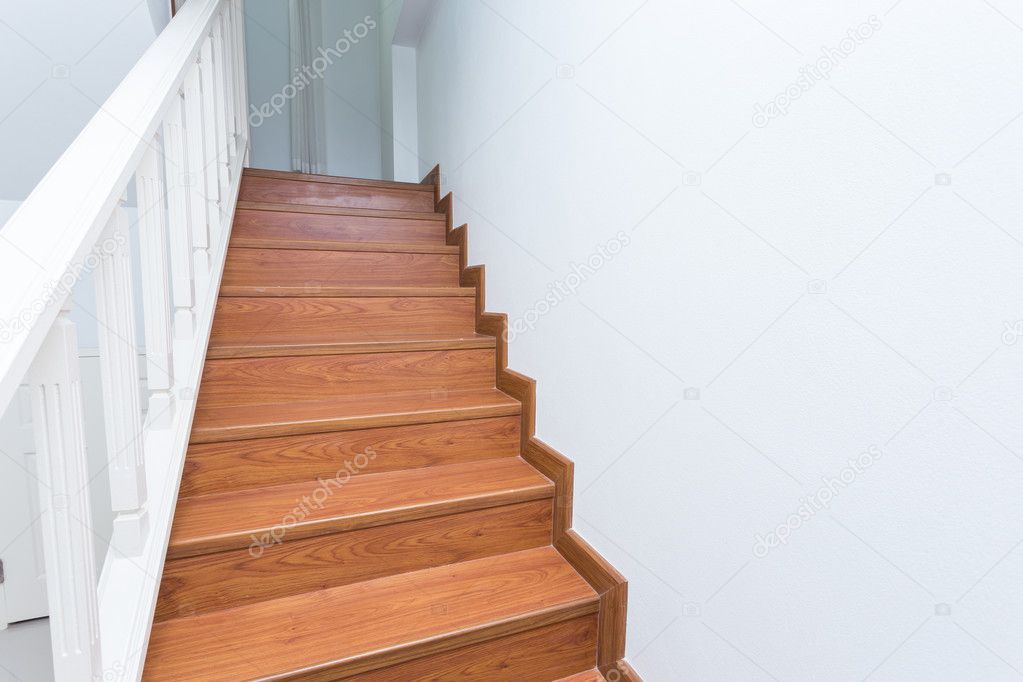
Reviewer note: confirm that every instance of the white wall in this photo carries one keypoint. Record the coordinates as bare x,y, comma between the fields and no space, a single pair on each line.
351,86
62,60
790,297
352,91
268,64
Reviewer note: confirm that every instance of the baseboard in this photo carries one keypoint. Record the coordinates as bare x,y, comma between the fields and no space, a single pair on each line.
601,575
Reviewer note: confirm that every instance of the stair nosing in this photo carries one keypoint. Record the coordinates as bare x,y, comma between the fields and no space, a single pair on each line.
509,407
277,207
295,176
254,291
257,350
329,245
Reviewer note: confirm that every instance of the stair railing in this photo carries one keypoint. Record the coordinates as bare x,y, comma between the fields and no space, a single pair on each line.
174,131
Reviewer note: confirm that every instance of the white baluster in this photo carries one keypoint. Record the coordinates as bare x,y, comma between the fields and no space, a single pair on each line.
149,188
225,59
63,478
242,86
195,133
119,368
211,139
179,233
223,158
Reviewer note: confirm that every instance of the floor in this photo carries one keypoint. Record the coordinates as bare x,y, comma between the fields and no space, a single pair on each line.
25,652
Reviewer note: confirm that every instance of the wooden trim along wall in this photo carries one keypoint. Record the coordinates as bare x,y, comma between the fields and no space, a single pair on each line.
605,580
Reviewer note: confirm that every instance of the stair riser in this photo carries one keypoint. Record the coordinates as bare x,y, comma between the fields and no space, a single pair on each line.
272,190
287,267
542,654
238,465
250,320
267,380
290,226
216,581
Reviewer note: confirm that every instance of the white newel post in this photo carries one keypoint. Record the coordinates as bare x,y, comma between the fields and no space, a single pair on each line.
149,188
119,369
66,518
195,133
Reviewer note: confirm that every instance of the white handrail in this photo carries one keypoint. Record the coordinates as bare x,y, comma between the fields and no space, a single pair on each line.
61,220
175,126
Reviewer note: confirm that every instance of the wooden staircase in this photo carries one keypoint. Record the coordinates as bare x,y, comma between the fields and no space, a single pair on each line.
363,495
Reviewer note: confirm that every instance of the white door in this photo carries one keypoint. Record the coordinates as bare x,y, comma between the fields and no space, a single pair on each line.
23,591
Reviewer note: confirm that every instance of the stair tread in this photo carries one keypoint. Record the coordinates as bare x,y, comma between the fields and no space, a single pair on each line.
331,343
222,423
588,676
339,245
337,179
233,290
387,620
244,205
232,519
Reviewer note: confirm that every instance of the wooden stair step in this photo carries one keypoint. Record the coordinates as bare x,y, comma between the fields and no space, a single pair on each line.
588,676
338,245
280,223
212,582
337,179
225,423
289,267
241,381
219,522
342,192
389,621
332,291
240,321
313,209
268,345
261,462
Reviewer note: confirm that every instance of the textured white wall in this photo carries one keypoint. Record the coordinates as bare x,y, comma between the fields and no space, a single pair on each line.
61,61
722,309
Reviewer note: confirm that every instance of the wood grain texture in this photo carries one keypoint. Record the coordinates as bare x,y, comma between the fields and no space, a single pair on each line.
340,211
284,225
237,465
288,267
334,179
264,516
302,191
211,582
610,584
215,424
333,245
274,320
588,676
313,346
612,588
531,656
400,618
335,291
245,381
